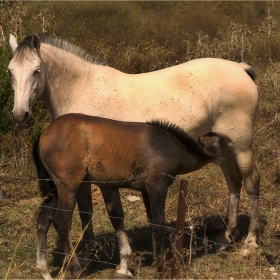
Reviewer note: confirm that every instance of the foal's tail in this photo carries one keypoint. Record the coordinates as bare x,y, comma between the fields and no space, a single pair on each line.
46,185
249,70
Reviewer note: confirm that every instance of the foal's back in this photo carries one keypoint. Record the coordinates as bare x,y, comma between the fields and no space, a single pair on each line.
79,147
76,146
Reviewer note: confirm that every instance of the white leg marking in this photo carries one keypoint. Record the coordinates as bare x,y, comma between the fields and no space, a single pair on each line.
42,268
125,253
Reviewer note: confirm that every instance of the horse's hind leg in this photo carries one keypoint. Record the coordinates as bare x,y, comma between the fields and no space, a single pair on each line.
44,218
251,179
240,166
234,182
113,203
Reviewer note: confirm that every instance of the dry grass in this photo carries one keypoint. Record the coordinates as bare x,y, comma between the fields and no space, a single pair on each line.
207,202
137,40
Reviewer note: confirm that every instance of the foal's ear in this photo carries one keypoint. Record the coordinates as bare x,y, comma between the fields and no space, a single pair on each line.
220,160
35,42
13,42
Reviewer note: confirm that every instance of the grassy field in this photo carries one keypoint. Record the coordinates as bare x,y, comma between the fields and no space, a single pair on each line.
137,37
207,200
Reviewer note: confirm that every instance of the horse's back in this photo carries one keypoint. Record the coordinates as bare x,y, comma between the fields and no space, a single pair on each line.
202,90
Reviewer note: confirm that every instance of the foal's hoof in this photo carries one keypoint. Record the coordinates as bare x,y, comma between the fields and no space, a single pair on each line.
222,242
248,249
123,274
221,245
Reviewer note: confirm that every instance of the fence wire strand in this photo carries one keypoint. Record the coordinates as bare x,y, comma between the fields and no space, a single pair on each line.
103,182
59,253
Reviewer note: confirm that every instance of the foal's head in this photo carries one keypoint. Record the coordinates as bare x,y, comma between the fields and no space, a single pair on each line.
211,143
27,75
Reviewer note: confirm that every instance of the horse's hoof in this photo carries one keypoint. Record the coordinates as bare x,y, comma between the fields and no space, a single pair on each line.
123,274
248,249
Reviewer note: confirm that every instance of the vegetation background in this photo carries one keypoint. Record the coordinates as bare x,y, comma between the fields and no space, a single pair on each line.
137,37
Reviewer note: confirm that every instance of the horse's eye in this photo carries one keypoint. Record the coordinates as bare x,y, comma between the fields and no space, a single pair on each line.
37,72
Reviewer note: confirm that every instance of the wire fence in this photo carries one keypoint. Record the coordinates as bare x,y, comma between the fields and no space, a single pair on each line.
16,244
188,232
120,182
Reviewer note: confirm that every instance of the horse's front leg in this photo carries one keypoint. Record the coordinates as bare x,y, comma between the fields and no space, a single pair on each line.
62,221
113,204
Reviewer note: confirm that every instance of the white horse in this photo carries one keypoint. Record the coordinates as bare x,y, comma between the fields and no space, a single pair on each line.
200,96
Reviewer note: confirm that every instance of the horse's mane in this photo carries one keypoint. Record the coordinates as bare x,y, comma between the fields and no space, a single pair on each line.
58,42
191,145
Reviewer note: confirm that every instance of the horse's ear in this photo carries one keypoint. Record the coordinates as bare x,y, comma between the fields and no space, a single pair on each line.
36,42
13,42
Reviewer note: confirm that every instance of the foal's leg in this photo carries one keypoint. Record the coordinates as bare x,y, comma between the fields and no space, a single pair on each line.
156,194
62,222
149,213
113,203
147,203
44,218
84,201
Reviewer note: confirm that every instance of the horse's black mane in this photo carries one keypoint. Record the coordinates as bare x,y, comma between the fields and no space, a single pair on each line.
58,42
190,143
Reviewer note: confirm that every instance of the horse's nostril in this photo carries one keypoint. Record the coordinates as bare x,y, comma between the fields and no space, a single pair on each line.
26,116
21,118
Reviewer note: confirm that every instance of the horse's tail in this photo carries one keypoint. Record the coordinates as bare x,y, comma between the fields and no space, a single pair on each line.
249,70
46,185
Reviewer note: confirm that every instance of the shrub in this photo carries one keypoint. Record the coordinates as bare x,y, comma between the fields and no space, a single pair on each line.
6,100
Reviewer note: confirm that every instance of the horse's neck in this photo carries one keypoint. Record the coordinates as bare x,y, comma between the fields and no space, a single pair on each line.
62,72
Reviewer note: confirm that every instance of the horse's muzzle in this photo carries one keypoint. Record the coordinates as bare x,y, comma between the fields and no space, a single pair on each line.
22,120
